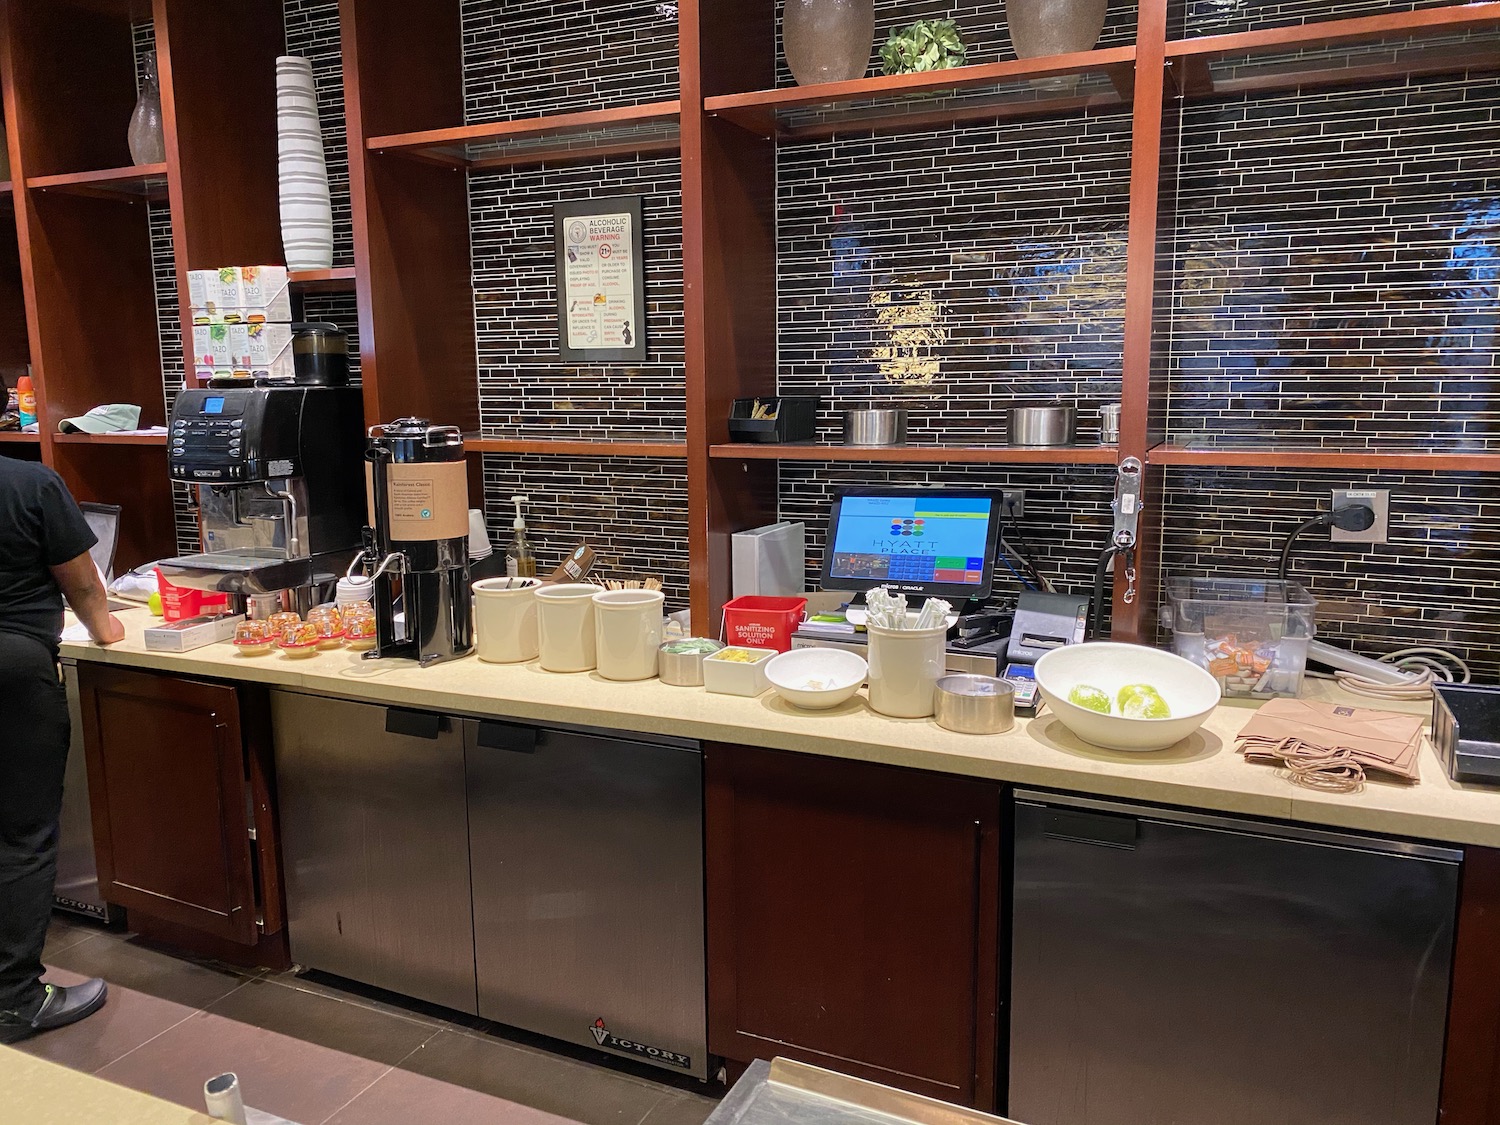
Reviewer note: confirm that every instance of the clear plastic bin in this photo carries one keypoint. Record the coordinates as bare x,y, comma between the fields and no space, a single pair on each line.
1251,635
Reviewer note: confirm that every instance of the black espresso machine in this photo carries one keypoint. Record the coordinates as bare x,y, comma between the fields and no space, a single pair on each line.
277,470
417,544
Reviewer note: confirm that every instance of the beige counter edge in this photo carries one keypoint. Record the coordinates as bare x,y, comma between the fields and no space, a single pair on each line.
1202,773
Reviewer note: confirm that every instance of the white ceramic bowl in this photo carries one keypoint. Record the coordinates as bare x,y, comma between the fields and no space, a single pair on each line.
839,672
1188,690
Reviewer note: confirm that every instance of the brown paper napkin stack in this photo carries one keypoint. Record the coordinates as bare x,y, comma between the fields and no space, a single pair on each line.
1381,741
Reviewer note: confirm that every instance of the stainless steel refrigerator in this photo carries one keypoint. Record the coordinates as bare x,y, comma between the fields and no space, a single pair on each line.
1179,969
77,875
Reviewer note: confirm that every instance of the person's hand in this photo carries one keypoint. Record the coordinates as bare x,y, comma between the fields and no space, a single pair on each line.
115,632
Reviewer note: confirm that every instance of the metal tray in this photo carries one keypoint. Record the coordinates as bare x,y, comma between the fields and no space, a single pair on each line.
783,1092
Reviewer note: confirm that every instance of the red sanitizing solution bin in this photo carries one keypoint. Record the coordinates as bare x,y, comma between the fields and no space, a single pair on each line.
758,621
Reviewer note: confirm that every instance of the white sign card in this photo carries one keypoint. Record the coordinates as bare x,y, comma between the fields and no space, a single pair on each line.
600,279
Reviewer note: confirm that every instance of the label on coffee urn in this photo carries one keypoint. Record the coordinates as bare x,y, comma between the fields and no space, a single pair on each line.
428,500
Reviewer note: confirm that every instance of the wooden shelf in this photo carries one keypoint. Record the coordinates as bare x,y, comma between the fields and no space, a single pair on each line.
1350,52
934,454
628,130
111,439
323,281
1303,457
146,181
674,450
15,437
1106,79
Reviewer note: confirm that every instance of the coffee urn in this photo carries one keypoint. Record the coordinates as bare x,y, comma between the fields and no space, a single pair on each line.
417,545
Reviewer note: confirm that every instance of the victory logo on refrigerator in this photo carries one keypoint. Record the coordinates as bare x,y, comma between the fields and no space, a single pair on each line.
612,1042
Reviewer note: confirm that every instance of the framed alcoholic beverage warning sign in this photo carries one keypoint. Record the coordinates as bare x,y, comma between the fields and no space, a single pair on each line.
601,283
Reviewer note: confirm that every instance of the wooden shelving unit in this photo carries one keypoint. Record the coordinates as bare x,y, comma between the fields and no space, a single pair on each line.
919,454
13,437
667,450
144,181
1302,457
80,219
936,98
339,280
111,439
589,135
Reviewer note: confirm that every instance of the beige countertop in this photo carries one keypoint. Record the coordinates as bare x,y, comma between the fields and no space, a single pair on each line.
1201,772
36,1092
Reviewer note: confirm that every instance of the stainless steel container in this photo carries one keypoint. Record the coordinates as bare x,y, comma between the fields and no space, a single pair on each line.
974,705
1053,424
875,427
682,669
1109,423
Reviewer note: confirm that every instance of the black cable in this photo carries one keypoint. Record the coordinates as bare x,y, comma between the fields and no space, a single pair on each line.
1096,607
1029,556
1351,517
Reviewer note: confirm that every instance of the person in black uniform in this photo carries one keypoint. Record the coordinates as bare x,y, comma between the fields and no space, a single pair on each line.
44,557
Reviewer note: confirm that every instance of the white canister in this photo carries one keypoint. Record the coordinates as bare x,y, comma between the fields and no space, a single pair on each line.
352,590
628,632
565,627
505,620
905,666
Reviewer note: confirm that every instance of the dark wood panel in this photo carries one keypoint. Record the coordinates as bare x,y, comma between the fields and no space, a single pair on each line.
221,130
168,793
401,71
88,255
73,84
133,476
411,234
1471,1068
927,454
853,915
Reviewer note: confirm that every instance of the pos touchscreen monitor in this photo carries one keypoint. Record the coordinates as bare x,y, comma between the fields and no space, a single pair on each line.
933,541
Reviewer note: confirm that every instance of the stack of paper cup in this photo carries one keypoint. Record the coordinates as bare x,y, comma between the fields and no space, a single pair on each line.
306,210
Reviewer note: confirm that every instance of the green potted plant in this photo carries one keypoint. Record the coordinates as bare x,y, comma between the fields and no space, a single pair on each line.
925,45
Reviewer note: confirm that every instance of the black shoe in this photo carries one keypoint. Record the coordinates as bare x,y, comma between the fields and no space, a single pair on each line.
60,1007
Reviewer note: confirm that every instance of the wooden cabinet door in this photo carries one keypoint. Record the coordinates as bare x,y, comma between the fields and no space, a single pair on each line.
171,808
853,919
1471,1070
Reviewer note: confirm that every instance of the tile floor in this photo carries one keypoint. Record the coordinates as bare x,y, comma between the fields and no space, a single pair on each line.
318,1052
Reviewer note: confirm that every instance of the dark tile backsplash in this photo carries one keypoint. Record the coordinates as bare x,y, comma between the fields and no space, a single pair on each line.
1067,517
1434,583
955,272
1337,267
525,390
632,512
1224,17
523,58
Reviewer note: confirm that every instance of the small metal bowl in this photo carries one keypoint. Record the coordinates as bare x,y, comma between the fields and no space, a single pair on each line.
682,669
974,705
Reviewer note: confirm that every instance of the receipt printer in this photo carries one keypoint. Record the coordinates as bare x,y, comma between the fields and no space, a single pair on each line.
1045,622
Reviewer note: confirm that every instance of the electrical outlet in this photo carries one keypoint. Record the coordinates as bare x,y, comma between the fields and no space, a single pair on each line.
1013,502
1378,500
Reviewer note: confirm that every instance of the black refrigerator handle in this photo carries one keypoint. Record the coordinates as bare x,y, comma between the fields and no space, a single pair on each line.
508,736
1107,830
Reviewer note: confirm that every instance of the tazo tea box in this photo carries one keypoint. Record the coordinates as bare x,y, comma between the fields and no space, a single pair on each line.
257,344
212,346
228,293
260,286
203,292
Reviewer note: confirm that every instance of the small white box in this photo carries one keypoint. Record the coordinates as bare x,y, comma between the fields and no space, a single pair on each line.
734,677
769,561
257,344
195,632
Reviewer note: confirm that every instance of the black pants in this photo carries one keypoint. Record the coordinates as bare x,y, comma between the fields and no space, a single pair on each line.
34,733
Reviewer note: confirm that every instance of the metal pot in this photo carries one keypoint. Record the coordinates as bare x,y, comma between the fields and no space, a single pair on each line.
1053,424
875,427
